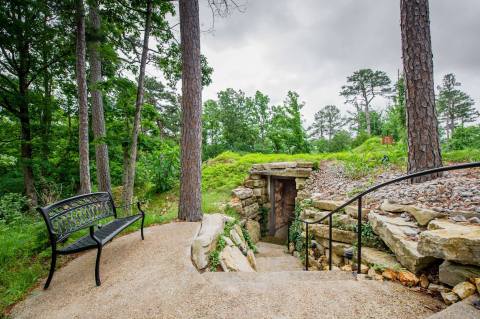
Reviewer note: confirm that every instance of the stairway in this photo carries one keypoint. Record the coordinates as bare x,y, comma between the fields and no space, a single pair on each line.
274,258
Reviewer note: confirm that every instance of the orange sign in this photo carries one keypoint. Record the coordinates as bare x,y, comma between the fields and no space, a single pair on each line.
388,140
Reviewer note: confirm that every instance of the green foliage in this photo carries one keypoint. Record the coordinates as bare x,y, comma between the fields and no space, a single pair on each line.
295,231
465,138
455,107
396,117
214,257
369,238
248,239
263,220
12,208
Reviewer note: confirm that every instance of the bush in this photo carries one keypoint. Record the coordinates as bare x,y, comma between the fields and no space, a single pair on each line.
465,138
12,205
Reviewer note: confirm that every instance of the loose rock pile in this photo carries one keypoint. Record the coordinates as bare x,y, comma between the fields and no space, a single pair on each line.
236,255
455,193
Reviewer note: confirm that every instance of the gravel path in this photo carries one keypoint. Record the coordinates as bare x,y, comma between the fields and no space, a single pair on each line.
156,279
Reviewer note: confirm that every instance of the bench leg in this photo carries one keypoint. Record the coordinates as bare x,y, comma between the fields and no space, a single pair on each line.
52,269
97,266
141,229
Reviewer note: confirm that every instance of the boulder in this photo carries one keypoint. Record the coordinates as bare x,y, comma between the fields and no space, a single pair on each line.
451,241
477,284
451,273
300,183
423,215
253,228
251,259
314,214
206,239
437,288
449,297
238,240
407,278
373,256
389,206
321,231
464,289
424,282
390,274
251,210
399,236
326,204
352,211
232,259
242,192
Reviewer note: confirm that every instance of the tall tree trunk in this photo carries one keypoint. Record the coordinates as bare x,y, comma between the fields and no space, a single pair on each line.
85,186
26,145
26,153
130,171
367,119
98,118
190,204
46,112
423,140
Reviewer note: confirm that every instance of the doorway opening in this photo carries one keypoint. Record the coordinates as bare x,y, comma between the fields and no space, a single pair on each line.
283,192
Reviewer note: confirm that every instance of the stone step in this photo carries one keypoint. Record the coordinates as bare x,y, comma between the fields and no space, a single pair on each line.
270,250
463,309
278,276
281,263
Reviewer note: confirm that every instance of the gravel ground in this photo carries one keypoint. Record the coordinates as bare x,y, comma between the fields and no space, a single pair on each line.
454,191
156,279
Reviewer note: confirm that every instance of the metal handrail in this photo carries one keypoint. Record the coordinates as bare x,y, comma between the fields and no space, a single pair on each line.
358,198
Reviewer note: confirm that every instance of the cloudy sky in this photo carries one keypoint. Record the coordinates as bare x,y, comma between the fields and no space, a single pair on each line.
311,46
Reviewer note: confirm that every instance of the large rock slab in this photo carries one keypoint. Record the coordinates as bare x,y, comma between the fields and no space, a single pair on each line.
422,215
399,235
253,228
343,236
371,256
451,273
242,192
325,204
206,239
452,241
232,259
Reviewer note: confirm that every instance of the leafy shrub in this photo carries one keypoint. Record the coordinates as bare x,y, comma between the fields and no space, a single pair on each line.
12,205
465,138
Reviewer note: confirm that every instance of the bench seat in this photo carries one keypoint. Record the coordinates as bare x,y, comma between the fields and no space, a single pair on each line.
104,234
86,212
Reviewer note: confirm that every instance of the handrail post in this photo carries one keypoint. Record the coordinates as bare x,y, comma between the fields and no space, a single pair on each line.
306,246
330,221
288,236
359,236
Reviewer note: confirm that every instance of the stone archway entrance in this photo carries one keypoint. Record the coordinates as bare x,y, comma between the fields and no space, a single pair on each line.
268,196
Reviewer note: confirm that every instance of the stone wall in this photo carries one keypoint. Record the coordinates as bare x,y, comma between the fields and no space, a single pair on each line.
418,240
254,192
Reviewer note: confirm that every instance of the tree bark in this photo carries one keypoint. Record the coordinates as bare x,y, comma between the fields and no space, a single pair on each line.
130,171
422,125
85,186
98,118
190,204
26,153
26,145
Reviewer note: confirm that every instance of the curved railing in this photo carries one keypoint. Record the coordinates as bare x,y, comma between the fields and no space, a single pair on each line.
358,198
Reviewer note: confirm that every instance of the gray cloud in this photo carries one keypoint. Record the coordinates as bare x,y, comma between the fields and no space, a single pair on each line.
311,46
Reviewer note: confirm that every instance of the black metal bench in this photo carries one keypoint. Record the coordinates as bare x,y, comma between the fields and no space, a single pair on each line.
80,212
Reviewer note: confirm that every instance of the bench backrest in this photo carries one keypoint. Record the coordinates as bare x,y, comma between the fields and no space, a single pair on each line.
72,214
